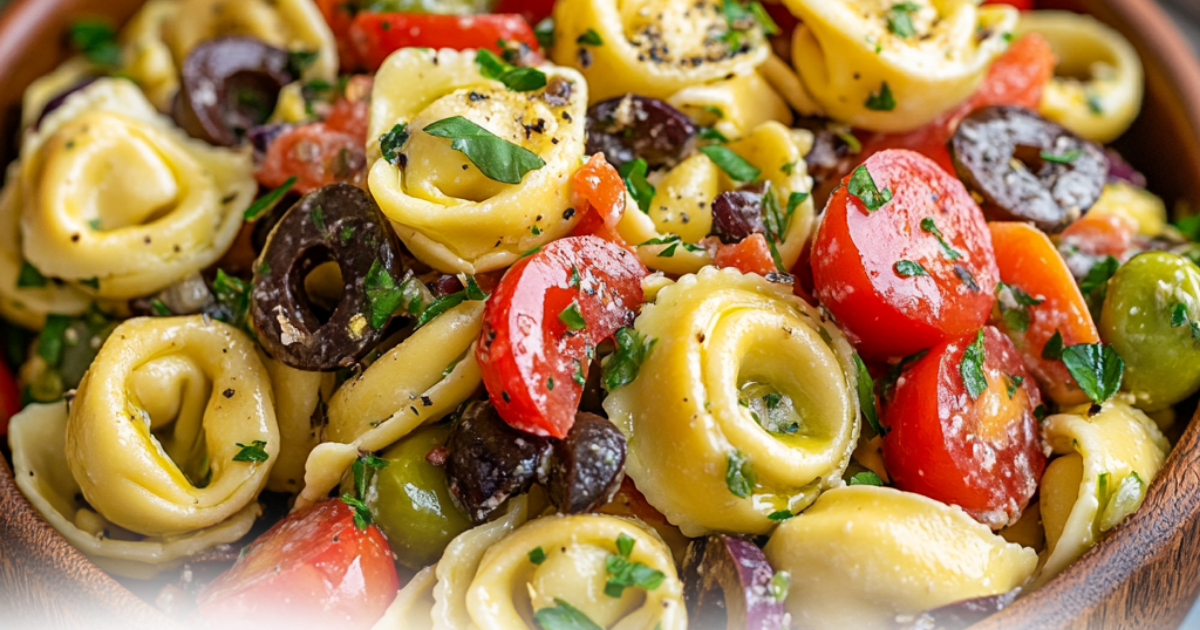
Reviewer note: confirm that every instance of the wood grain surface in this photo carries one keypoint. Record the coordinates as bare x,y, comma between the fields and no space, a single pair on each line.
1144,575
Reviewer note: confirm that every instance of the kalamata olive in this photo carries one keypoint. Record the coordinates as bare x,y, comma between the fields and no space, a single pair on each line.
339,223
631,127
586,467
1121,171
228,86
488,461
1026,168
728,583
737,214
961,615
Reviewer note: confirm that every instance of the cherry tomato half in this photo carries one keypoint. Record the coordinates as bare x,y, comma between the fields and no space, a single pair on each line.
312,569
599,195
317,155
983,454
374,36
749,255
914,272
542,323
1035,272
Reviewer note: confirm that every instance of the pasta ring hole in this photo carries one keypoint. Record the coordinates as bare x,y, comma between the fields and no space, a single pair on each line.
171,394
785,407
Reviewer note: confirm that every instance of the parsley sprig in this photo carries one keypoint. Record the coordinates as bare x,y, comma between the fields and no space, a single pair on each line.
621,367
634,174
253,452
514,78
862,186
495,157
624,573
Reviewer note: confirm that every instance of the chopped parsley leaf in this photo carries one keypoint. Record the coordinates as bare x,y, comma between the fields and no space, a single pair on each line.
881,101
865,478
537,555
1064,158
971,368
590,38
564,616
390,143
634,174
909,269
514,78
495,157
739,475
622,366
1096,367
734,165
252,452
29,277
862,186
572,318
1053,350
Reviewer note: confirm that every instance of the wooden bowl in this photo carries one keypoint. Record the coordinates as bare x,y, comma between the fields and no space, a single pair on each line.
1142,575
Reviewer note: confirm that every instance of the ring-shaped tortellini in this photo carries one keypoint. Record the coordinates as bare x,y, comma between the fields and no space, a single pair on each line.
652,47
733,106
446,210
27,303
419,381
1102,106
869,73
114,198
863,555
159,419
413,607
1143,207
37,436
682,203
744,407
509,588
1106,463
72,73
298,397
146,58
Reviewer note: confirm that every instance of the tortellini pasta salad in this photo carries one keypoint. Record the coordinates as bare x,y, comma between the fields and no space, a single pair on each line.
811,314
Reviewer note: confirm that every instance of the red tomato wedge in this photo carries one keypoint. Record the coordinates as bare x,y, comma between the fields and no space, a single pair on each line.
533,11
312,569
913,273
10,398
339,14
317,155
542,323
1101,235
1029,262
374,36
983,454
749,255
599,194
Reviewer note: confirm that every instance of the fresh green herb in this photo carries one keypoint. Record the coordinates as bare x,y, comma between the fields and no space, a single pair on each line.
362,514
733,164
578,376
1102,486
50,340
712,135
1099,275
713,111
622,366
1053,350
862,186
1039,413
1189,226
774,220
624,573
474,293
780,582
572,318
159,308
1095,105
413,296
391,142
94,283
564,617
881,101
929,226
233,298
544,32
316,214
781,515
971,368
301,60
94,224
763,18
1179,315
788,169
268,201
625,544
896,370
590,38
865,478
849,139
909,269
1096,367
447,302
346,233
1016,318
1013,383
899,19
576,281
252,452
495,157
30,277
362,469
96,41
794,201
1064,158
634,174
1124,501
537,555
866,396
739,475
514,78
672,241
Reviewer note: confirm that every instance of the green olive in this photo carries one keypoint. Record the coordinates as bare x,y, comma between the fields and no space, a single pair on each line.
1151,316
411,501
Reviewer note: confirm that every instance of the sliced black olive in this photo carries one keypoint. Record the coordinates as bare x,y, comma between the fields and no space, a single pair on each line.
961,615
228,86
727,584
829,160
488,461
1026,168
586,468
631,127
338,223
738,213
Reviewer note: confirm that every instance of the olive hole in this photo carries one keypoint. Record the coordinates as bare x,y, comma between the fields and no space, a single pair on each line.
251,98
323,288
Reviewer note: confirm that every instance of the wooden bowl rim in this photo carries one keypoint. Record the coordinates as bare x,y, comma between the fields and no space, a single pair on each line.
1079,591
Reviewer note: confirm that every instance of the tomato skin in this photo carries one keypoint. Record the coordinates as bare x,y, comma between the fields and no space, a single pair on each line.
1101,235
10,398
312,569
1024,5
749,255
984,455
317,155
1028,260
855,253
533,11
599,198
339,15
524,343
375,36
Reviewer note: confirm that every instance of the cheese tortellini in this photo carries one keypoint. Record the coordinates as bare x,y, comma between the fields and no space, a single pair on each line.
733,106
146,58
446,210
299,395
37,436
744,406
419,381
115,199
1103,106
867,71
1106,463
682,203
652,47
159,419
863,555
